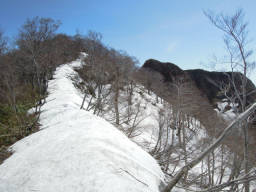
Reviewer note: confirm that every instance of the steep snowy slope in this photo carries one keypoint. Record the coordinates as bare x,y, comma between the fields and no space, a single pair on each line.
76,151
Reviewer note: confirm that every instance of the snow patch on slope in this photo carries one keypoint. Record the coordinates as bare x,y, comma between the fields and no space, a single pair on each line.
76,151
226,110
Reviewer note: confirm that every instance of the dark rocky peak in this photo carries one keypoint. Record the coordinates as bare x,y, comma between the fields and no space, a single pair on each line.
168,70
207,82
211,82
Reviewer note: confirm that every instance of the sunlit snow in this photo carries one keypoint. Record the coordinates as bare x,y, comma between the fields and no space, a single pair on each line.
76,151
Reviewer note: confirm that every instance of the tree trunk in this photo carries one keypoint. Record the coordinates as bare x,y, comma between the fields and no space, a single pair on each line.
116,100
246,159
213,146
82,106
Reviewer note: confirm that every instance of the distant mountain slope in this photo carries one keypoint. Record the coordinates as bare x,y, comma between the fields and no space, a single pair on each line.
209,82
206,81
76,151
200,95
174,84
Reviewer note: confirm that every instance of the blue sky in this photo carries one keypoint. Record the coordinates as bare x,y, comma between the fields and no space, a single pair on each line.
168,30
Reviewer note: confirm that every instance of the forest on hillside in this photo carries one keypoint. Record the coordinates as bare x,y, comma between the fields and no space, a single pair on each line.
30,62
26,66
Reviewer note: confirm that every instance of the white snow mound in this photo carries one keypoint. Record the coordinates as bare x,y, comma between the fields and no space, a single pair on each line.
76,151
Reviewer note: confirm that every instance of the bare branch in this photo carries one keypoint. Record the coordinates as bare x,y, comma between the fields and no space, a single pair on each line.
213,146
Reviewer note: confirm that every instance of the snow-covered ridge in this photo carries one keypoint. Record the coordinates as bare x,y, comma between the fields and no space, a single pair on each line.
76,151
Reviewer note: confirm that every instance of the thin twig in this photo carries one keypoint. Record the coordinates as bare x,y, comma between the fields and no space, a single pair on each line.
134,177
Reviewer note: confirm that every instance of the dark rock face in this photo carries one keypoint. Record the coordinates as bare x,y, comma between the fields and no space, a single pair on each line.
168,70
207,82
210,82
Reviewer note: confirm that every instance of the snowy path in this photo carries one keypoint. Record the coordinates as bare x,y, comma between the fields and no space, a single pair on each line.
76,151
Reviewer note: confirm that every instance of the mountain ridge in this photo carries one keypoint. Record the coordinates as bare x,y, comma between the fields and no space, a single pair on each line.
208,82
199,94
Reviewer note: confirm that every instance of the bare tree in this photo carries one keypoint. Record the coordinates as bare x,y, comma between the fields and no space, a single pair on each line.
120,70
32,39
228,130
94,72
3,43
24,73
237,44
9,80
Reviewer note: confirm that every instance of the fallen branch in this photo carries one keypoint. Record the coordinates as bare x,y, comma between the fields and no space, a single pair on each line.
7,135
236,181
134,177
243,116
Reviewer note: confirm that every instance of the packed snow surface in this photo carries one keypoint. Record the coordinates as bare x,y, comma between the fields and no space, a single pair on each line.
76,151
